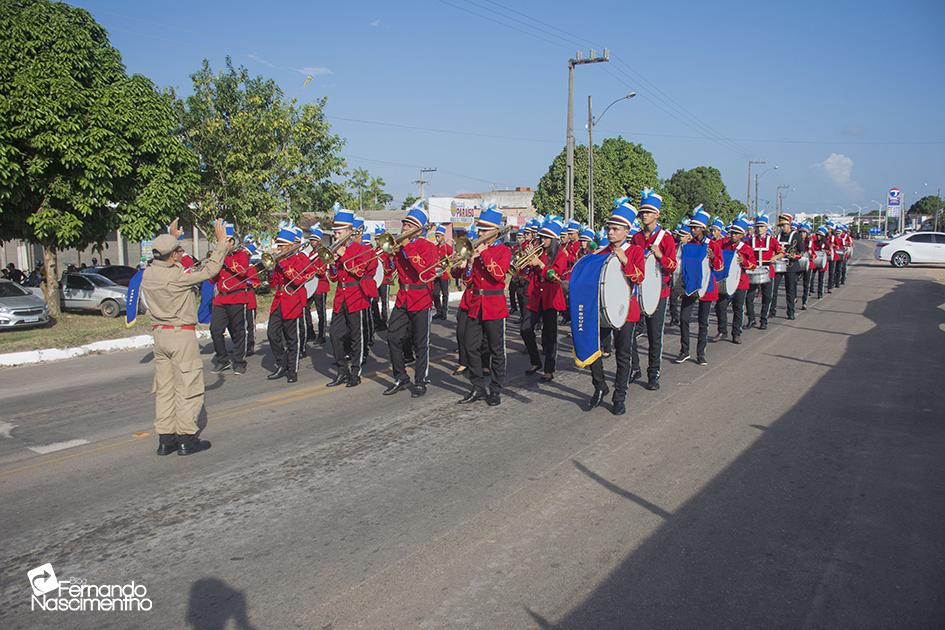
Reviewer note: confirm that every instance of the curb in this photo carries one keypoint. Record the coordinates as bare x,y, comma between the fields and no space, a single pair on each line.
48,355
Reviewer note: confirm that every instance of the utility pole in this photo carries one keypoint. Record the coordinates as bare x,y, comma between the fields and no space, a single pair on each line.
779,197
569,141
748,195
422,181
590,164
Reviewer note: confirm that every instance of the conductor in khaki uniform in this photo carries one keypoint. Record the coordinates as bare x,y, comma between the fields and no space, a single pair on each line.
178,370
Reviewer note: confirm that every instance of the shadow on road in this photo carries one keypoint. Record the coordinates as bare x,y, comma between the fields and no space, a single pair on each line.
832,518
213,604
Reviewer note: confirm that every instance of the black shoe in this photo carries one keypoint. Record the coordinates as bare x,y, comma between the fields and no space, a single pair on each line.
619,408
736,339
763,325
353,381
701,361
340,379
653,384
279,373
418,390
547,378
239,369
719,337
682,358
190,444
409,360
250,352
493,399
750,324
310,335
533,369
167,444
303,353
597,398
635,374
222,366
396,386
472,396
804,306
292,378
791,316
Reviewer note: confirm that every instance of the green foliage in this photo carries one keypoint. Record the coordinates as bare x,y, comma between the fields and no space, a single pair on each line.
84,148
930,204
409,200
702,184
262,157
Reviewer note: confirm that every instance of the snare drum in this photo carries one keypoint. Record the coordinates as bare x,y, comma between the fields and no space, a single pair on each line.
614,298
780,265
758,276
820,260
803,263
652,286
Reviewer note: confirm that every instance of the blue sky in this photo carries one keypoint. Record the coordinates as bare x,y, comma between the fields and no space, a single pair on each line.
845,97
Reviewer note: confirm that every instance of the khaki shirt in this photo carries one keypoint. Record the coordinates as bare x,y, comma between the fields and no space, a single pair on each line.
168,289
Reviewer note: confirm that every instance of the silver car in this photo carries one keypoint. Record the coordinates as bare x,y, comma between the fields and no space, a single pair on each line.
92,292
19,308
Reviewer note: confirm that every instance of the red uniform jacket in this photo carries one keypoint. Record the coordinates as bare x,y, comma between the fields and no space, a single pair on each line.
413,258
290,275
573,249
748,260
321,272
818,244
464,275
836,243
765,247
633,270
236,281
667,248
444,250
350,289
543,292
716,264
485,296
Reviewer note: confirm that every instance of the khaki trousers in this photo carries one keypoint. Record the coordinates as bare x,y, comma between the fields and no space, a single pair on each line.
178,381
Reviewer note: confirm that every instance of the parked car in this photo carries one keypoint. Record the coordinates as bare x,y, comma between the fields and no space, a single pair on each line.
19,308
92,292
119,274
912,247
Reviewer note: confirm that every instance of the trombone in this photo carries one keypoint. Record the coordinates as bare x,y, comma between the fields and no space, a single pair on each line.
386,244
524,257
267,263
463,251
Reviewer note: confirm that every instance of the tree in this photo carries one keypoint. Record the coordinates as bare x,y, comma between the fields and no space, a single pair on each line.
409,200
358,184
930,204
701,185
379,197
262,157
84,148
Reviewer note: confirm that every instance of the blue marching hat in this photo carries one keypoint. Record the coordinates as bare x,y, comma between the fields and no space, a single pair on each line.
286,233
718,223
574,226
804,225
490,217
358,223
551,229
249,244
830,225
532,225
683,229
342,219
822,230
441,229
761,219
739,225
472,232
623,213
650,201
315,231
587,234
417,214
366,238
700,218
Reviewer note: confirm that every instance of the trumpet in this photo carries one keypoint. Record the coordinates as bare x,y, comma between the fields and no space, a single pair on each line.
387,244
524,257
463,251
327,254
267,262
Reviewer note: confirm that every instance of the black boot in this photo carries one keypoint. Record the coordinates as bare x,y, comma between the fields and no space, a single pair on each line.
167,443
635,374
597,398
418,390
353,381
340,379
279,373
190,444
653,383
493,399
396,386
618,408
472,396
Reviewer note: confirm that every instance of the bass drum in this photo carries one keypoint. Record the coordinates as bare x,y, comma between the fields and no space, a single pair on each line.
651,287
820,260
614,298
803,263
729,283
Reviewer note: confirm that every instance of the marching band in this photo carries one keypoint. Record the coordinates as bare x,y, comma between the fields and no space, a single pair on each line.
613,287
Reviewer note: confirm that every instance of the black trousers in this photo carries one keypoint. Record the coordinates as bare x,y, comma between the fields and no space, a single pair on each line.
284,337
411,327
721,312
520,298
367,323
654,335
790,291
441,296
625,344
566,315
833,278
549,337
346,339
685,314
738,309
515,301
818,278
462,319
232,318
380,308
491,334
318,301
607,340
250,330
766,291
843,271
675,291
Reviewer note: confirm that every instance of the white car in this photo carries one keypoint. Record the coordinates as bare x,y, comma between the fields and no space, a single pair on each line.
912,247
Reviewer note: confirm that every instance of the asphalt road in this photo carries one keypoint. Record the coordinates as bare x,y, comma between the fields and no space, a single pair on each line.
797,481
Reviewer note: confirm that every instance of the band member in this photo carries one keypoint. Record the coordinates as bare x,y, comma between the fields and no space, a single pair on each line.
410,319
380,308
682,235
516,282
698,225
441,285
654,239
545,300
372,291
320,294
847,242
570,241
249,243
178,371
487,310
804,276
820,242
767,250
720,234
463,275
794,246
745,258
352,263
286,325
836,244
631,259
235,286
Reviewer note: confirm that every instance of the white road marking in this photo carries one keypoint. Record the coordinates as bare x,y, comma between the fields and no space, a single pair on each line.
56,446
5,428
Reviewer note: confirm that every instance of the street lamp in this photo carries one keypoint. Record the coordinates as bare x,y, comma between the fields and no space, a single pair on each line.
757,177
591,121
